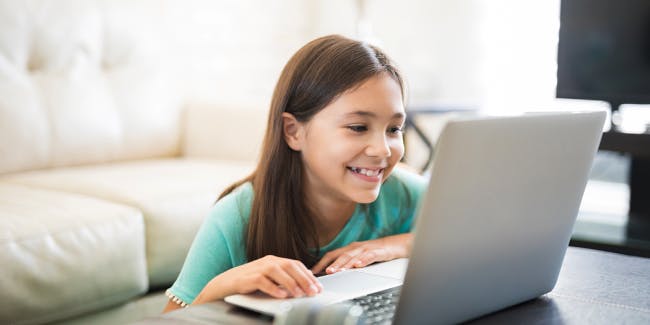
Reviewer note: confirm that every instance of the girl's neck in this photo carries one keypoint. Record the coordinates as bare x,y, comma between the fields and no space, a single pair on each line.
331,216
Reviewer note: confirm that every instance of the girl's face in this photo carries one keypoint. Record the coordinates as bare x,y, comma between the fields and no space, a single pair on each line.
351,146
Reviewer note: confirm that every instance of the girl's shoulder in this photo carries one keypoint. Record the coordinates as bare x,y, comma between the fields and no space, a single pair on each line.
233,210
243,192
405,180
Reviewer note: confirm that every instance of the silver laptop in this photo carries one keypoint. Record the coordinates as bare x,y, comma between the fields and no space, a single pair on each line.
493,227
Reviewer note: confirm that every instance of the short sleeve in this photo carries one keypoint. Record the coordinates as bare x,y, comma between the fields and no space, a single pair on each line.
217,247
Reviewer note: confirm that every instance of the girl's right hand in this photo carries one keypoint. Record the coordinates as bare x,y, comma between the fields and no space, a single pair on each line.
276,276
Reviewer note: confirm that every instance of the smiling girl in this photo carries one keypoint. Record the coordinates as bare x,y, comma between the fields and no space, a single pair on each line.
325,196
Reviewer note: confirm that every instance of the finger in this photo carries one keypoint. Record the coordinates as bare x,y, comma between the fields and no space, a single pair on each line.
313,279
281,277
267,286
318,268
366,258
340,262
350,263
361,259
298,272
325,261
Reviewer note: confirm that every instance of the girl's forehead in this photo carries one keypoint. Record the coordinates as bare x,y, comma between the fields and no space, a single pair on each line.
379,96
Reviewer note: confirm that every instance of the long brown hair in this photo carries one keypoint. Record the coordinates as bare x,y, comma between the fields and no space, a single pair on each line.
281,223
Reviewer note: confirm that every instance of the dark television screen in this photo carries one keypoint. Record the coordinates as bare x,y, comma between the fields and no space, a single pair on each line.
604,51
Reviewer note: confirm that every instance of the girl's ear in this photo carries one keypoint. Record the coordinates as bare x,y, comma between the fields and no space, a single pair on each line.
292,130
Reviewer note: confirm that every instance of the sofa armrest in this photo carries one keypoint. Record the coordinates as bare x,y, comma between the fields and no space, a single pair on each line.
223,132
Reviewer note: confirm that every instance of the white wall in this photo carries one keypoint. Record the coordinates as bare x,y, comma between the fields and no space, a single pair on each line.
499,55
233,51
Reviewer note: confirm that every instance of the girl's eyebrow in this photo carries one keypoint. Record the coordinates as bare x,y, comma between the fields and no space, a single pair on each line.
373,114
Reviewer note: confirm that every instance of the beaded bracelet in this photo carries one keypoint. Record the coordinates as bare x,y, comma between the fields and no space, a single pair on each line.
175,299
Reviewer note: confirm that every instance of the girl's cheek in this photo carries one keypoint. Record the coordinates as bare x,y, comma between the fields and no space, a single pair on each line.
398,151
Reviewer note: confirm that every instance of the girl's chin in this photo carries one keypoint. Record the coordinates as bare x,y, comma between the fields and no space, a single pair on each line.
365,198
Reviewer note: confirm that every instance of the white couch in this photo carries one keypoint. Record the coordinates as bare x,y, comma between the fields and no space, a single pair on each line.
106,169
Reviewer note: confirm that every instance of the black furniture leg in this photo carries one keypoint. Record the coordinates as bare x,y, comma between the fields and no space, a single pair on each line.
639,215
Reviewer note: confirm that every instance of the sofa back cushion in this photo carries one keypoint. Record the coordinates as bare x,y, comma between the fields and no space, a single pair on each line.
83,82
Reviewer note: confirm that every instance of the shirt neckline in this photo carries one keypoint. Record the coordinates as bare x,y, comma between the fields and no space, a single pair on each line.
354,219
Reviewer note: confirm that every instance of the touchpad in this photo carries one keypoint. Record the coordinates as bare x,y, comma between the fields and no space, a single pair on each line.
356,283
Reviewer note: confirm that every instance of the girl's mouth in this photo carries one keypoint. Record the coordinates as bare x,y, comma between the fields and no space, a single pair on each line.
367,174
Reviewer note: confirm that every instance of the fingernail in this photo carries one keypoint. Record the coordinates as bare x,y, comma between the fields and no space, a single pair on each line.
298,292
313,289
358,263
342,269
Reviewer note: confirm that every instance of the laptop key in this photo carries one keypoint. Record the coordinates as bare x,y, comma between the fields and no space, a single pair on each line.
379,307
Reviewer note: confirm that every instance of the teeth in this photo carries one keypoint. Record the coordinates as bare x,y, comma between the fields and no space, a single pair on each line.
367,172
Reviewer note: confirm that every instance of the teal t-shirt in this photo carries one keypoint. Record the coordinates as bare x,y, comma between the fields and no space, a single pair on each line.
220,243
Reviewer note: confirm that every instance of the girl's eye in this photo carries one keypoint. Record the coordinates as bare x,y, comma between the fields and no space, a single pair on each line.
395,130
358,128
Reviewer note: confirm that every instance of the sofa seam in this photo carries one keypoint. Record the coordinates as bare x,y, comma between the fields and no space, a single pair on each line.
57,233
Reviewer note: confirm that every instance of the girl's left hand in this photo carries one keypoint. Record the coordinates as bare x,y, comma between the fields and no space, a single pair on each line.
360,254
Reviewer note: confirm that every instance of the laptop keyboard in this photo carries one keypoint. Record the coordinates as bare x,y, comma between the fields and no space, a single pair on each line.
379,307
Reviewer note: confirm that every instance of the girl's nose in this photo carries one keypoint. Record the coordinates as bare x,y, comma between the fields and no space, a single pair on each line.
379,147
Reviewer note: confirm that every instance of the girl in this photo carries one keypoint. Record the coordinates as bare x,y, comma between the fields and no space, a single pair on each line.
325,194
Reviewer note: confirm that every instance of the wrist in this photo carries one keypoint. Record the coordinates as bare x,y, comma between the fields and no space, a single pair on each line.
401,245
390,247
216,289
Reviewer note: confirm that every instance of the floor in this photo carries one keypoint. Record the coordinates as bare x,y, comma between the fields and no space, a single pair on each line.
148,306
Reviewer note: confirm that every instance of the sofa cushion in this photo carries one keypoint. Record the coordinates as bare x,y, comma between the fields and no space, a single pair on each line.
63,254
84,82
174,196
207,123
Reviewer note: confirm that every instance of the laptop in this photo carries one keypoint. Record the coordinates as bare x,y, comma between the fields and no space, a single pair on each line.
493,227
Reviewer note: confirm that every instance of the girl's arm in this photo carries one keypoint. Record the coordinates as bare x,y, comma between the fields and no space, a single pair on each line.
275,276
171,306
360,254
